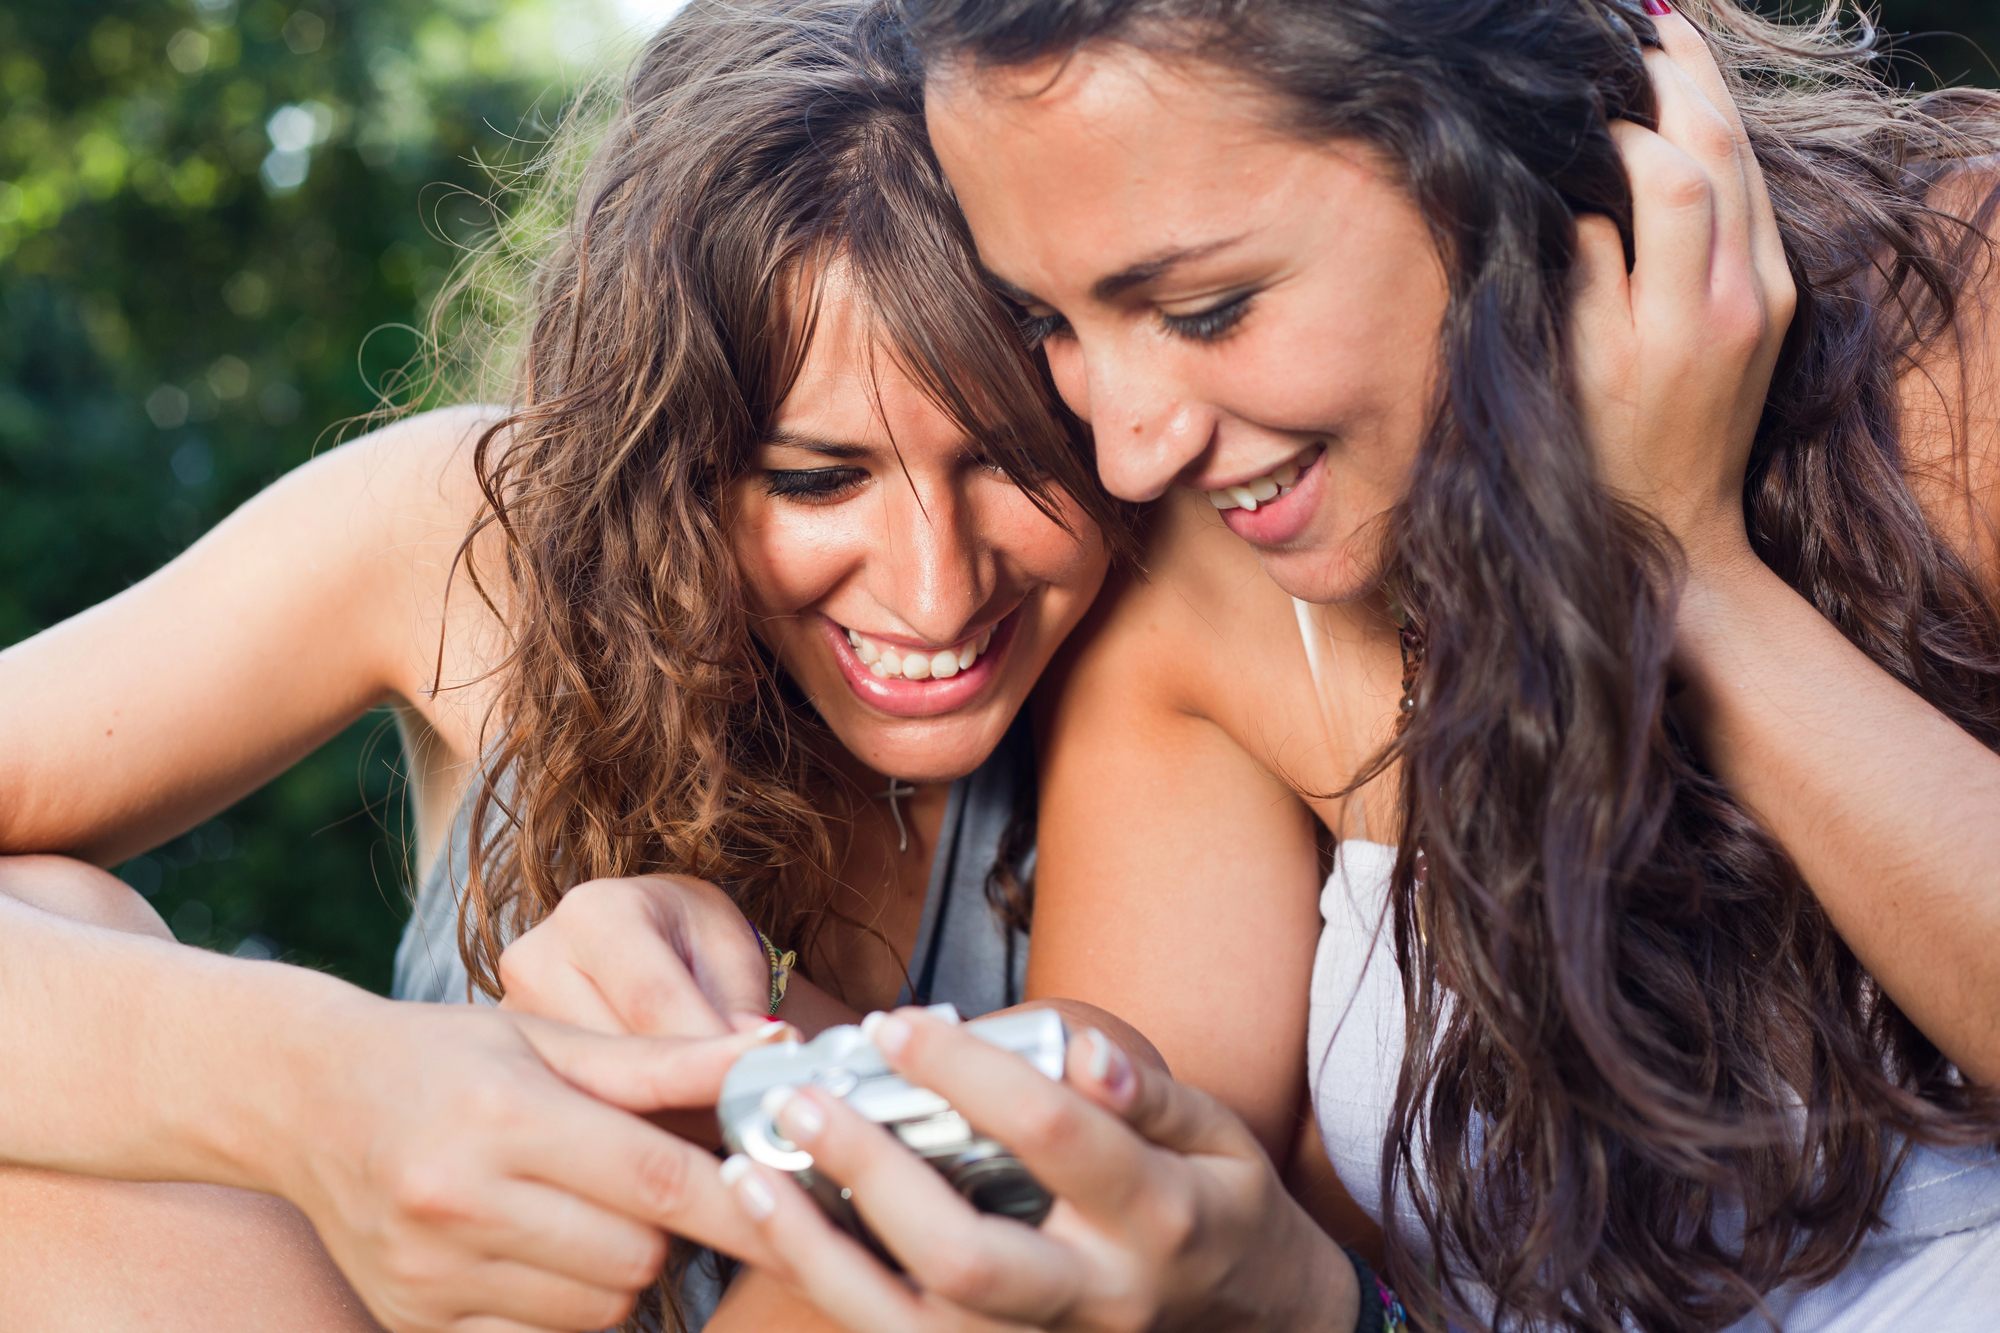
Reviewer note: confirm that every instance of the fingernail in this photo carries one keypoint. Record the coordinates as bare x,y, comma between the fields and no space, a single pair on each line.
775,1099
777,1030
1658,8
751,1192
1107,1064
889,1033
800,1120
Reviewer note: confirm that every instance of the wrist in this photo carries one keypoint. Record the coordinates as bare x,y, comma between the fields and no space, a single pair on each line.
1327,1292
296,1062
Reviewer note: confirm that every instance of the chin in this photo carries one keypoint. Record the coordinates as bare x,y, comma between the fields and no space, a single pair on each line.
1324,578
942,749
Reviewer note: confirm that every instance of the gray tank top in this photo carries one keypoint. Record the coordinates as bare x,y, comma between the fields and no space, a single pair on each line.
965,955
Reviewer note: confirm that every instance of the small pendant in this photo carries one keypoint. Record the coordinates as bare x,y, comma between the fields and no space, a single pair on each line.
897,787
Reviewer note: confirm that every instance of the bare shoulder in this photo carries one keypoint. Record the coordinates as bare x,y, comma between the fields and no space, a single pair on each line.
1951,391
416,474
1200,632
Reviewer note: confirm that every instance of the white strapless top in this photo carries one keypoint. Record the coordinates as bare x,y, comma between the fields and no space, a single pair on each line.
1934,1265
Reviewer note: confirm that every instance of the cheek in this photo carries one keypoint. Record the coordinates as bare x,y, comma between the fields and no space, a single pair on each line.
786,559
1072,562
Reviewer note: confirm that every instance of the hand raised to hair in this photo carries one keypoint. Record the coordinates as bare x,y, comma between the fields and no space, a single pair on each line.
1673,361
1169,1215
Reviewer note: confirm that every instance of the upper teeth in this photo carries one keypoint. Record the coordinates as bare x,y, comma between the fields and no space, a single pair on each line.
886,659
1278,481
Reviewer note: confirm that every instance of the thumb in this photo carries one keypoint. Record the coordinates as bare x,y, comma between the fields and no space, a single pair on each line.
1159,1108
643,1074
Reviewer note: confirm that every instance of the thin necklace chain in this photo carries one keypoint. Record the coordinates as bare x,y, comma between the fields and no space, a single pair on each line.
898,788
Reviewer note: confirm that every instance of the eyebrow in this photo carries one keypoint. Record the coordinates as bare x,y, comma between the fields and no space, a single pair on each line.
825,448
1112,286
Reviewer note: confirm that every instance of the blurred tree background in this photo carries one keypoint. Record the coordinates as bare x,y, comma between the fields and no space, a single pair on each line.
220,224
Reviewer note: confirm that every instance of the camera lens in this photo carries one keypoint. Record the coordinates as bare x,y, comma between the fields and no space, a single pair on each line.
1002,1185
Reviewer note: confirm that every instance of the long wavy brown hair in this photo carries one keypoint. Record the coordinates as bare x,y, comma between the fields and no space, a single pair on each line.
1645,1080
640,725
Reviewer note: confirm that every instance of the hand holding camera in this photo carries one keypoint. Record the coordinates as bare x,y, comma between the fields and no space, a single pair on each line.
845,1063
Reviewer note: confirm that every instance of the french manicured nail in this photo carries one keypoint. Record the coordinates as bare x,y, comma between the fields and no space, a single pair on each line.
1107,1064
800,1119
751,1192
1658,8
889,1033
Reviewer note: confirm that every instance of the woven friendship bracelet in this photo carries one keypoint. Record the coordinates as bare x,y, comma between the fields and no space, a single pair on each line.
781,969
1381,1312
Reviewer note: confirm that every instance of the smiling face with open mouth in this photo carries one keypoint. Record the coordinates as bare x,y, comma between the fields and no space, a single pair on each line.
1233,308
912,591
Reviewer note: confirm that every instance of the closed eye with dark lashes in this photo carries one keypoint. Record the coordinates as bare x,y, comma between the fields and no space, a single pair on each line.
1213,323
810,483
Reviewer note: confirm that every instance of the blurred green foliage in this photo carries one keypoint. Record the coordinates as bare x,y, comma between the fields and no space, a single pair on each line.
218,225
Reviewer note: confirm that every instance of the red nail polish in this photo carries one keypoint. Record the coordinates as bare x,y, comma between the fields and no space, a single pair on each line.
1658,8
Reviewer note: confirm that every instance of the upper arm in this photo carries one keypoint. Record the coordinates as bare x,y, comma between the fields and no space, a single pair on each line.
143,715
1176,878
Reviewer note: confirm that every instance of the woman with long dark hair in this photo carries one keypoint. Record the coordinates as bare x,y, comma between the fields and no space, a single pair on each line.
747,579
1612,392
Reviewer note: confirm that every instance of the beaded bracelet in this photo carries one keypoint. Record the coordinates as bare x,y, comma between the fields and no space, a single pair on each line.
781,969
1381,1312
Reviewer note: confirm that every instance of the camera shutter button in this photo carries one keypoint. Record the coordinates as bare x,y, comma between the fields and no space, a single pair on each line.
837,1081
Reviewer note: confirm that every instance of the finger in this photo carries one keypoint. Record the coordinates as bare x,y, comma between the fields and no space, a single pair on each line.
530,1296
554,1230
831,1269
1601,303
644,979
1160,1108
537,977
1683,43
1691,123
618,936
1673,230
993,1265
722,948
1079,1150
643,1073
648,1174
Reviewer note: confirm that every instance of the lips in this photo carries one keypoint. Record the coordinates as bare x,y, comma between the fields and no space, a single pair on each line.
932,693
1277,510
887,659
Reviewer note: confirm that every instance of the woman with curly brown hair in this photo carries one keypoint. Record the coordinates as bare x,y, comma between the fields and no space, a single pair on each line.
1613,389
748,584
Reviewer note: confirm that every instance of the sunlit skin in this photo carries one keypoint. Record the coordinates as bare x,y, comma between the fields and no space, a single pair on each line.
911,537
1222,296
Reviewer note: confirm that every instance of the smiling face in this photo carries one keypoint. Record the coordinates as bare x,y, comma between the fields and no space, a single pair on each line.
912,591
1231,308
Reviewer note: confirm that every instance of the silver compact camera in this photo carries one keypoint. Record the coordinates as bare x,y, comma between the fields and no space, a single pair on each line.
845,1063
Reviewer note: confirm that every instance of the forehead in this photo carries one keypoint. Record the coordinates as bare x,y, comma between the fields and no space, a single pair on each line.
850,385
1095,161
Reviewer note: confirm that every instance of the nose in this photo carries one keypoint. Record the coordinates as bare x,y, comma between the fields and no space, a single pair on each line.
1148,431
931,570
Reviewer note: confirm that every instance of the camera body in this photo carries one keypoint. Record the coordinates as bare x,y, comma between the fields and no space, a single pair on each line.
845,1063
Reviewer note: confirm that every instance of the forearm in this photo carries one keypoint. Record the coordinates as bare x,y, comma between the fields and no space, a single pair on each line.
1891,812
133,1058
